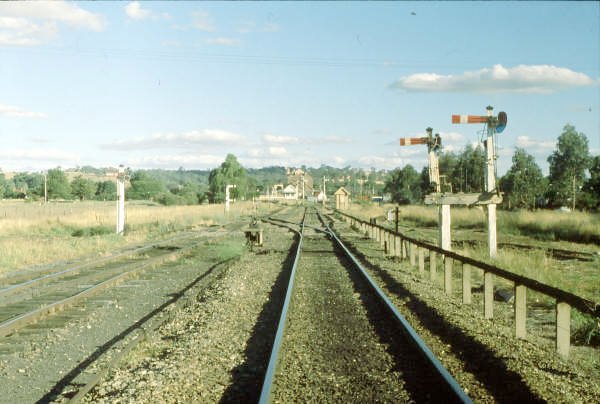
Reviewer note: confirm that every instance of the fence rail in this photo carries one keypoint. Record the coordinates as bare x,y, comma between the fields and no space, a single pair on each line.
398,244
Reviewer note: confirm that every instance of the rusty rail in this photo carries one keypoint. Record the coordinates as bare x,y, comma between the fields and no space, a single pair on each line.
398,244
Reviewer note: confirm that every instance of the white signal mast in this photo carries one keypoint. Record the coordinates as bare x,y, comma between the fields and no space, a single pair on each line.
491,197
434,146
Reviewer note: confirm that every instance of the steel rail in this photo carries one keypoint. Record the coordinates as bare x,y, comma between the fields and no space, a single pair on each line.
274,358
57,275
446,377
13,324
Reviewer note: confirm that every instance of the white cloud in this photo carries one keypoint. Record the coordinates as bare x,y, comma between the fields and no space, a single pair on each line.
519,79
12,111
247,27
176,160
223,41
201,20
280,139
30,23
66,12
135,11
526,142
43,155
205,137
452,137
23,32
277,151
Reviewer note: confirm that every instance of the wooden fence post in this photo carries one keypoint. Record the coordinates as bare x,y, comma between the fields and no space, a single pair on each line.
421,260
466,283
488,294
413,258
432,269
563,328
520,311
448,275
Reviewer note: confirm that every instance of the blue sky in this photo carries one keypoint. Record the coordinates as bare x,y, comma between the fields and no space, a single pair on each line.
181,84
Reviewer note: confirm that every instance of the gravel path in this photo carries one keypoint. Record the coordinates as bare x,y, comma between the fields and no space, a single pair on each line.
217,347
38,357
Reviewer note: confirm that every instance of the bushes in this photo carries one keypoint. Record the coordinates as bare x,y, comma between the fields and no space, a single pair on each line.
92,231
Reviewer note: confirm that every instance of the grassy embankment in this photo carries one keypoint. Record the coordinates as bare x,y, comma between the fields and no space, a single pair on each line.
34,233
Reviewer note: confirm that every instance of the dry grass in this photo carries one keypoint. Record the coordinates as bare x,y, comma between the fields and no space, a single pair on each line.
34,233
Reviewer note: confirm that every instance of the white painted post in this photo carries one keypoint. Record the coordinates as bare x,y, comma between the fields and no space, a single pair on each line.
421,260
227,188
444,220
121,200
490,186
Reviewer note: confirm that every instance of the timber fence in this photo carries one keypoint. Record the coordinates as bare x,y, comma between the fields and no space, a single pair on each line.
399,245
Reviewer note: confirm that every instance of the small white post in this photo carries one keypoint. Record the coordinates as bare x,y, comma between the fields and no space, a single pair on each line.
227,188
444,219
121,200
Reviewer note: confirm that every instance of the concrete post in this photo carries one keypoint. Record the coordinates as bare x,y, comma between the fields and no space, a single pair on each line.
488,295
445,241
121,200
403,248
421,260
466,283
492,242
520,311
432,269
448,275
413,258
563,328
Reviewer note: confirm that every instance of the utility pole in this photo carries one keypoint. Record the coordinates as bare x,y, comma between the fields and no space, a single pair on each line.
121,200
324,193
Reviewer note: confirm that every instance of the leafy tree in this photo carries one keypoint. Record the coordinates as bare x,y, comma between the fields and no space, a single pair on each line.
83,188
567,166
468,174
524,183
229,173
106,191
25,184
143,186
3,186
447,162
58,184
591,188
404,185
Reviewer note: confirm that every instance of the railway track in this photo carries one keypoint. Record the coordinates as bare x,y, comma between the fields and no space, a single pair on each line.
27,302
339,336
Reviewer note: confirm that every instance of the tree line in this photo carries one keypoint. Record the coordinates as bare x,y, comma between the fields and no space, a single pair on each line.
574,180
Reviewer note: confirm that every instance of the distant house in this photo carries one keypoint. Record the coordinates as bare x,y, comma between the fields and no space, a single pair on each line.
342,198
290,192
302,181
